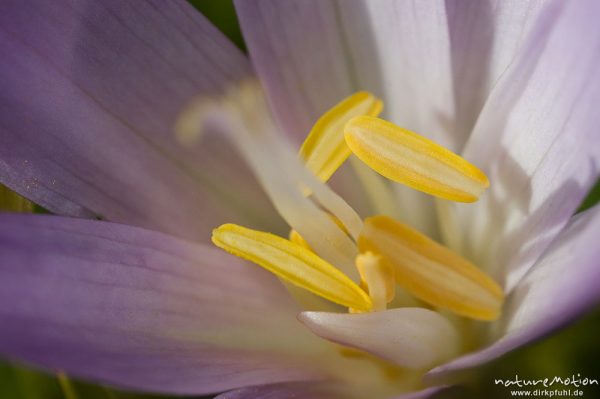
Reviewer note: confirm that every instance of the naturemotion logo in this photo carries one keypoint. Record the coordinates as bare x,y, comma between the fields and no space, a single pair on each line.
541,385
573,381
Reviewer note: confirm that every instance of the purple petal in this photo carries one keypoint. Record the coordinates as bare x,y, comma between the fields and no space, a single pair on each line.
143,310
558,289
537,139
90,92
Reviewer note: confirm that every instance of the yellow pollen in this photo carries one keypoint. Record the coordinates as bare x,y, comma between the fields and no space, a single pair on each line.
325,149
293,263
413,160
377,278
432,272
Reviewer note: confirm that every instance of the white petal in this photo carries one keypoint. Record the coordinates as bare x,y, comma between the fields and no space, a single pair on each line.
537,139
411,337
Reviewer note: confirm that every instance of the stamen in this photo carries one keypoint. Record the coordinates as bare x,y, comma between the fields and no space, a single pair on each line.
413,160
432,272
296,238
378,278
293,263
324,150
242,115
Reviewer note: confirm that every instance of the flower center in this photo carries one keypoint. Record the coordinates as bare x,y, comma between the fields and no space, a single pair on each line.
385,251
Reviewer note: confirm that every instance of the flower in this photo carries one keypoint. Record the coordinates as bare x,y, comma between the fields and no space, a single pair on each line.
90,94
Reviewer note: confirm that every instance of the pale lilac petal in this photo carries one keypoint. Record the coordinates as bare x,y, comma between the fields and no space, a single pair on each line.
484,38
89,94
297,53
557,290
411,337
142,310
433,62
537,139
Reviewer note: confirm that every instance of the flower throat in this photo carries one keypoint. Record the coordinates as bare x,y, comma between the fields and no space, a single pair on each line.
386,253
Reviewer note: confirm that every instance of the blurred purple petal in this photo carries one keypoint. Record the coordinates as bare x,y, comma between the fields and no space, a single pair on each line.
316,390
537,139
89,94
289,390
558,289
425,393
142,310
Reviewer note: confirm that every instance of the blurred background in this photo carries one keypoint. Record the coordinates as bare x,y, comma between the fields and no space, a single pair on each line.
573,350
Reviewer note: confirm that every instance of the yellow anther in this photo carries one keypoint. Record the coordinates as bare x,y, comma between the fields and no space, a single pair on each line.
324,150
432,272
378,277
413,160
293,263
